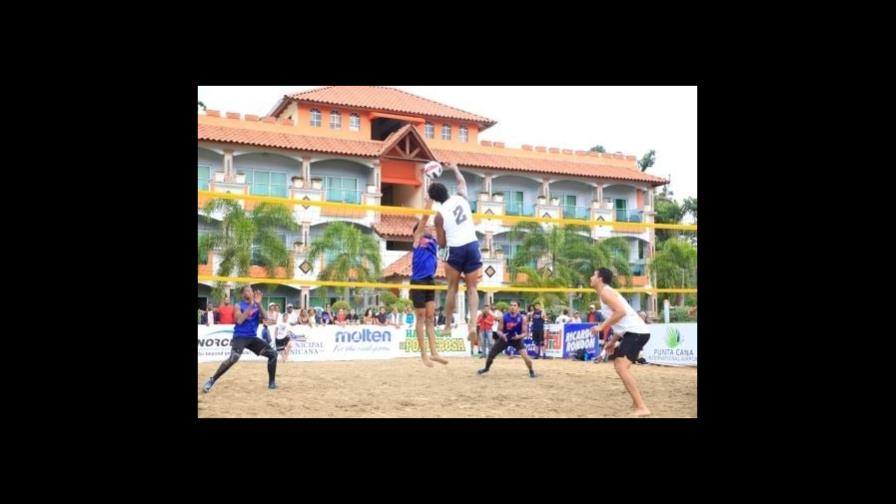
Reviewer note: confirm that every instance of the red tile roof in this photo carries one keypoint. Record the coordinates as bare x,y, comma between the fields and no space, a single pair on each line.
284,140
384,98
402,267
216,129
396,225
543,165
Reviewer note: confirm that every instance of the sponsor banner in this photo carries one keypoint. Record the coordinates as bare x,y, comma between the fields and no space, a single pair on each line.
672,344
576,337
332,342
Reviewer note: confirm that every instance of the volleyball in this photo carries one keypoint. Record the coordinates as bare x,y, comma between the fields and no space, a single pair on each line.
432,169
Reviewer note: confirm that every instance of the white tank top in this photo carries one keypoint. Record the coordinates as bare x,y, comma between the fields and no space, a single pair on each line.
457,219
630,322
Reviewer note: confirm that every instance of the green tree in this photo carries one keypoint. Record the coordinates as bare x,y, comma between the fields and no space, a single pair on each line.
690,206
675,267
202,106
598,148
647,160
568,256
244,232
351,252
668,211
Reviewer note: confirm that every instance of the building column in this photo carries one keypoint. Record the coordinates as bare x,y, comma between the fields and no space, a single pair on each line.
377,176
487,185
229,174
304,296
546,189
306,171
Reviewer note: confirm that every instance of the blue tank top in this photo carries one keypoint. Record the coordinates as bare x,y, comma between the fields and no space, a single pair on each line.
513,324
425,260
538,321
249,327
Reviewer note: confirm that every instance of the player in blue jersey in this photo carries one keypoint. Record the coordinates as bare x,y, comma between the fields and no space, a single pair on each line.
245,331
511,332
424,263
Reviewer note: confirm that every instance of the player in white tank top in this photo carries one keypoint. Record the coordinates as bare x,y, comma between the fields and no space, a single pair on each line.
455,228
457,221
628,327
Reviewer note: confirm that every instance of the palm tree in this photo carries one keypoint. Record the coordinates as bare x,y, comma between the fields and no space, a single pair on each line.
675,266
569,253
541,279
357,255
243,233
668,211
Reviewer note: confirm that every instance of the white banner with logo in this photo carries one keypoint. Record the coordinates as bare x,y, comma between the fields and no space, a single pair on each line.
333,342
672,344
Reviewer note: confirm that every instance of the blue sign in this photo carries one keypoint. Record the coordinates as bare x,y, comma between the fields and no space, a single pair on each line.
577,337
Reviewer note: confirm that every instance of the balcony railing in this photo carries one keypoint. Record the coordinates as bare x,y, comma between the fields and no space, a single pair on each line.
629,215
514,208
571,212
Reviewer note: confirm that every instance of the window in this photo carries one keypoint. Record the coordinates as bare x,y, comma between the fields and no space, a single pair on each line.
513,204
335,120
354,122
568,202
446,132
266,183
463,134
315,118
342,189
620,210
429,130
204,175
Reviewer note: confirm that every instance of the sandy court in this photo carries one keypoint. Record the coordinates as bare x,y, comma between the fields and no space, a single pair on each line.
404,387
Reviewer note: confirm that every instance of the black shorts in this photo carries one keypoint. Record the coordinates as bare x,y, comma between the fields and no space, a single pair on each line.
281,343
538,337
257,346
419,296
500,346
631,346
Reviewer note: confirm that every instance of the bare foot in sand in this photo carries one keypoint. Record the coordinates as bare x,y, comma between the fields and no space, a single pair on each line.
438,358
426,362
642,412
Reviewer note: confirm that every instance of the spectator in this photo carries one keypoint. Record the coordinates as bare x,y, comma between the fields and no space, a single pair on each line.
564,317
576,319
340,317
440,319
270,322
282,334
381,317
409,318
353,317
369,318
225,312
486,323
292,317
304,319
592,315
208,317
325,317
395,318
